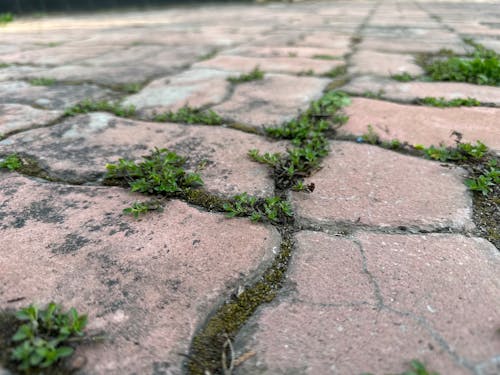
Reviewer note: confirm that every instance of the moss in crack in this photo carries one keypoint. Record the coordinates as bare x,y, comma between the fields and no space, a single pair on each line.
336,72
207,346
26,165
255,75
189,115
89,105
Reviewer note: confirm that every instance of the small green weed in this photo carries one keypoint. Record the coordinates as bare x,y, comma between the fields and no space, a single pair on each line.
140,208
255,75
462,152
442,102
485,182
42,81
5,18
370,136
325,57
335,72
189,115
272,209
161,172
403,77
42,339
129,88
11,162
88,105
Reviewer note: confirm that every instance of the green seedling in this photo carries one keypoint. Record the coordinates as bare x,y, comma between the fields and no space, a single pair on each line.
462,152
272,209
44,335
11,162
161,172
42,81
189,115
88,105
255,75
442,102
370,136
485,182
140,208
5,18
403,77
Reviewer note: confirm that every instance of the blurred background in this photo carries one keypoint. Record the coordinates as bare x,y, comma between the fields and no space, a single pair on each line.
34,6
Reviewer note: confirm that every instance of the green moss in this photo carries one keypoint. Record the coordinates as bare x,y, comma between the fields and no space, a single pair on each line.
190,115
403,77
336,72
204,199
42,82
255,75
207,345
89,105
326,57
443,103
129,88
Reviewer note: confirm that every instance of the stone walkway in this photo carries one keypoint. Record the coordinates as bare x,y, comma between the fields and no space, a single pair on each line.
386,265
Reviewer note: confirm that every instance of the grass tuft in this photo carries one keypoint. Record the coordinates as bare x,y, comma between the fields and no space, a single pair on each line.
42,82
189,115
89,105
255,75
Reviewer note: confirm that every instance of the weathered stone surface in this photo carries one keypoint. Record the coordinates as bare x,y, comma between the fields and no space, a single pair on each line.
273,100
410,91
423,125
17,117
148,284
409,46
49,97
367,185
291,51
16,72
270,64
78,149
195,87
407,300
383,64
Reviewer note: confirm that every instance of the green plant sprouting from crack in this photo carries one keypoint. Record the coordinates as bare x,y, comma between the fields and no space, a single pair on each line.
11,162
255,75
272,209
89,105
42,81
443,103
462,152
44,336
161,173
487,178
403,77
336,72
307,135
189,115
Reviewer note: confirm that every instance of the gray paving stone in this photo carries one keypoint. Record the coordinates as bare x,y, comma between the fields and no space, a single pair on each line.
142,282
18,117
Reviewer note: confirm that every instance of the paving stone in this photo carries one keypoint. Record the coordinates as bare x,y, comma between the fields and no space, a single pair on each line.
411,91
423,125
383,64
408,46
271,64
194,87
368,185
18,117
49,97
290,51
147,284
415,296
16,72
273,100
78,149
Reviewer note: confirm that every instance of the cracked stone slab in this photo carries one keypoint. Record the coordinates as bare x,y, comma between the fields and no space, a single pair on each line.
195,87
423,125
367,185
293,65
291,51
56,97
411,91
147,284
413,45
383,64
350,303
78,149
272,100
18,117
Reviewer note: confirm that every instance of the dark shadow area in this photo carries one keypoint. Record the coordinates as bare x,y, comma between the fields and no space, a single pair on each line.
34,6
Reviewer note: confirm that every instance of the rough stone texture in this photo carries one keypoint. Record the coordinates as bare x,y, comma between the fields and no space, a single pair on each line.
415,295
411,91
18,117
148,284
273,100
271,64
383,64
367,185
78,149
49,97
289,52
423,125
196,88
413,46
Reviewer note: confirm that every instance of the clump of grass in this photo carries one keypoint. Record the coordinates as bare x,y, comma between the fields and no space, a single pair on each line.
462,152
487,179
272,209
403,77
5,18
89,105
482,67
443,103
189,115
11,162
44,336
42,81
417,368
255,75
161,172
335,72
